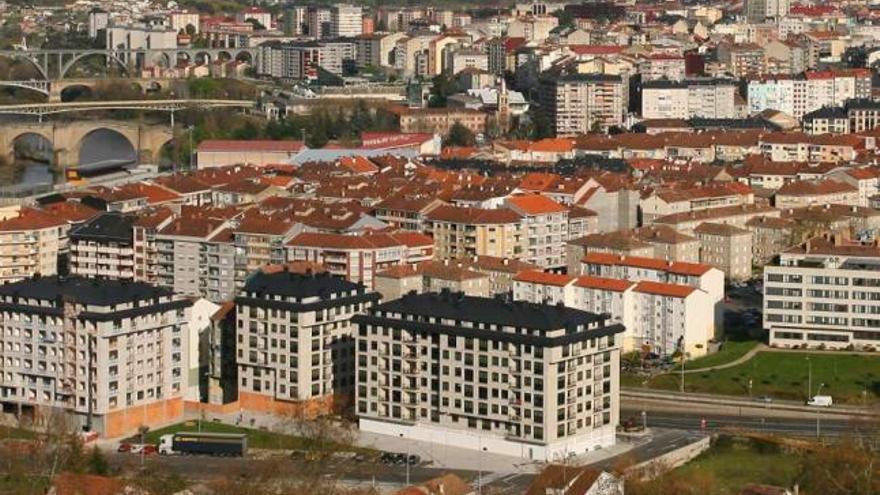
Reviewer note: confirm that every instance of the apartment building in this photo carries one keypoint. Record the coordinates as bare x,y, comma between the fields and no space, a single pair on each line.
463,232
111,353
103,247
663,317
703,98
30,244
799,95
406,213
346,20
439,120
742,59
359,258
759,11
545,229
824,294
295,342
580,103
726,247
431,276
638,269
799,194
521,379
669,201
194,255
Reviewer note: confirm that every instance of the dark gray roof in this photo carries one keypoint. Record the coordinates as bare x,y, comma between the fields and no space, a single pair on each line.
297,285
588,78
667,84
826,113
456,306
83,290
862,104
109,227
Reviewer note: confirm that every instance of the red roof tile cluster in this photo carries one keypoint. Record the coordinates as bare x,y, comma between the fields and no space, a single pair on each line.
535,204
543,278
664,289
456,214
677,267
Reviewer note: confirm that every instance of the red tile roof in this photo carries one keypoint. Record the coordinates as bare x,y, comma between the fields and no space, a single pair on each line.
663,289
543,278
234,145
456,214
602,283
535,204
30,219
677,267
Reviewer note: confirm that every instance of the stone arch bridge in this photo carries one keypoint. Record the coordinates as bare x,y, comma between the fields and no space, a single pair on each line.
54,89
67,138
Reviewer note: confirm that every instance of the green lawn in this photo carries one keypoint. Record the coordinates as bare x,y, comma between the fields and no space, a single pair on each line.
734,463
730,351
13,432
784,376
257,439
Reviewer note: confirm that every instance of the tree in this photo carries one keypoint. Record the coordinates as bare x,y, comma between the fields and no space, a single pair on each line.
442,87
460,135
258,26
842,468
97,463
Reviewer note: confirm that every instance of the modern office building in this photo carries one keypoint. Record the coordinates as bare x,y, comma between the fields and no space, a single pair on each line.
822,294
295,343
111,353
528,380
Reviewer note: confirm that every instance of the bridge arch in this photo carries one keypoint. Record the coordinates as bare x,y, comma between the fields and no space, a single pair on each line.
126,145
72,92
203,57
41,87
109,57
31,60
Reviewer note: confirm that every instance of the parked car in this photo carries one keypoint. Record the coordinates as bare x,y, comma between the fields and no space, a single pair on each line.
820,401
124,447
766,399
150,449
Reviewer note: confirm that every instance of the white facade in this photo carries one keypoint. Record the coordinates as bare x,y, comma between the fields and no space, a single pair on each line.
346,21
822,295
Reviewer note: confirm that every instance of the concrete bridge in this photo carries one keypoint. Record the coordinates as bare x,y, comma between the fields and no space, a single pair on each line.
54,89
67,138
55,64
43,109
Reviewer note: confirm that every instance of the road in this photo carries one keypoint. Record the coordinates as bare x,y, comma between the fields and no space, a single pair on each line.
691,421
203,469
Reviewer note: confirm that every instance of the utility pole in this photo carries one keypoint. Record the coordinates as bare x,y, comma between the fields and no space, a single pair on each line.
809,378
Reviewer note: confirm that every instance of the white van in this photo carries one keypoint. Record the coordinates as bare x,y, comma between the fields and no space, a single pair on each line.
820,401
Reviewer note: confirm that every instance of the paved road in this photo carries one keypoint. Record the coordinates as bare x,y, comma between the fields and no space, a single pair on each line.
691,421
201,469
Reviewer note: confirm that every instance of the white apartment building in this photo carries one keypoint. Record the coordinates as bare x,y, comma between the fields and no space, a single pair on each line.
545,229
103,247
30,244
662,317
346,21
580,103
294,337
111,353
527,380
799,95
705,98
824,294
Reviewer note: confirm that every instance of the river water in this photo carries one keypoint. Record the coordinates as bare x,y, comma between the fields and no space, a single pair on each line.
32,165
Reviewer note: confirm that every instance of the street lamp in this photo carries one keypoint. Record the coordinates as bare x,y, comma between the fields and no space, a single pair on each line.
480,471
809,378
644,420
190,129
407,459
818,427
684,357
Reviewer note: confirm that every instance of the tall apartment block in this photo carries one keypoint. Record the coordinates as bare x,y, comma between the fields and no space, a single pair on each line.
579,103
522,379
295,342
111,353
